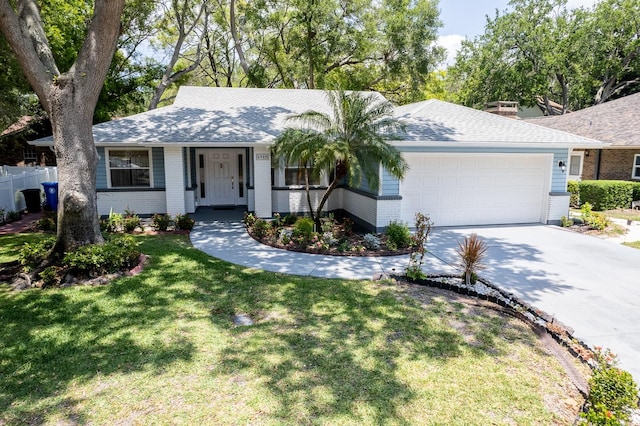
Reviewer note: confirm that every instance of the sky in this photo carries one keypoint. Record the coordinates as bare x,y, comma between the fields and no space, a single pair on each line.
466,18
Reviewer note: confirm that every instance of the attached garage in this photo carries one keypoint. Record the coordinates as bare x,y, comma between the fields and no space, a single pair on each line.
476,189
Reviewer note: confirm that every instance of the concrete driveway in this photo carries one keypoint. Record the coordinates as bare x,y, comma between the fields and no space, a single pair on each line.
589,284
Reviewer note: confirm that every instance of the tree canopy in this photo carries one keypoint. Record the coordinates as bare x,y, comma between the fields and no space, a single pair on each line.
540,53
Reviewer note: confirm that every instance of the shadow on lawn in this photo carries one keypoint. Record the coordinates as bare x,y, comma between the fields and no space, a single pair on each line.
336,350
328,349
54,337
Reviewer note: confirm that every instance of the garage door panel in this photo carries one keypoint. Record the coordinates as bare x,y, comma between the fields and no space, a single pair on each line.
475,189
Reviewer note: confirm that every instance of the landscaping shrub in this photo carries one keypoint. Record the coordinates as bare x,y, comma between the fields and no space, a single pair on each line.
115,254
184,222
594,220
160,222
130,223
290,219
636,191
2,216
371,242
303,228
566,222
112,223
606,194
416,259
33,254
613,394
398,235
12,216
47,223
574,188
472,251
249,219
261,228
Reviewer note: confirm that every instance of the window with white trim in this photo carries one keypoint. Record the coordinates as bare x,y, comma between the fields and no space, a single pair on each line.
635,174
129,168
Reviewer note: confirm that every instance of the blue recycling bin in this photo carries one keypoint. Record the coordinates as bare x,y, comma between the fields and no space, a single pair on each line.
51,194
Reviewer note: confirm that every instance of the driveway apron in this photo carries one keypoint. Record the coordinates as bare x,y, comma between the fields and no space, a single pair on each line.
589,284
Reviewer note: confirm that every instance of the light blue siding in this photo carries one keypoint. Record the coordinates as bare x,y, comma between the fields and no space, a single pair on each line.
558,177
389,185
101,170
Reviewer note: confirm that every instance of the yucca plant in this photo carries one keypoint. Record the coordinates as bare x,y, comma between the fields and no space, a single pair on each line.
472,251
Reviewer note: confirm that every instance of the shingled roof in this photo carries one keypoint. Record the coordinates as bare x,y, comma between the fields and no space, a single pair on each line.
213,116
614,122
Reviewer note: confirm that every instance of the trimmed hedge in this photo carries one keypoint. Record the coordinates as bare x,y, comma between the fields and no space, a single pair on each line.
607,194
636,191
574,188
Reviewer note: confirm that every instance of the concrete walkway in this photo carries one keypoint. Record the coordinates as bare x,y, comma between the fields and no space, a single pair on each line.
588,283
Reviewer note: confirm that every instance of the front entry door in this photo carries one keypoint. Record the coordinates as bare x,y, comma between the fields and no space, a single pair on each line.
218,177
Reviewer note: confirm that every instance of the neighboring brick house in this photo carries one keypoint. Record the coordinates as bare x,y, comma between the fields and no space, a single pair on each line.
615,123
14,143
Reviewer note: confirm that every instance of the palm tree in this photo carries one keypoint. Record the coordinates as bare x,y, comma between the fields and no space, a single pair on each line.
347,145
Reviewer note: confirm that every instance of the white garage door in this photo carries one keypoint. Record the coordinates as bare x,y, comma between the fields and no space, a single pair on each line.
475,189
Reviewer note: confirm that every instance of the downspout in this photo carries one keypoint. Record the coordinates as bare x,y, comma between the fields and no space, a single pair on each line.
597,171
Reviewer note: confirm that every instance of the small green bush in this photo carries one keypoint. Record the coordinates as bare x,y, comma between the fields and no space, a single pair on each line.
371,242
249,219
566,222
184,222
606,194
33,254
160,222
130,223
574,189
12,216
112,223
303,228
613,394
48,276
261,228
96,259
290,219
398,235
594,220
46,223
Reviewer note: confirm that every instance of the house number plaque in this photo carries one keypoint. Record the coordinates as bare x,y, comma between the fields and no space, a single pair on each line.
262,157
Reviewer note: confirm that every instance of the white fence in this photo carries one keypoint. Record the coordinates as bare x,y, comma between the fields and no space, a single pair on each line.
15,179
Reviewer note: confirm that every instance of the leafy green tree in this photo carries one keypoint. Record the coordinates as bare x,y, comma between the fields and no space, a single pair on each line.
69,96
540,53
387,46
349,145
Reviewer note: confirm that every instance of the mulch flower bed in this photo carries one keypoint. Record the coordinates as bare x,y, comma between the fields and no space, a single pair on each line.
338,239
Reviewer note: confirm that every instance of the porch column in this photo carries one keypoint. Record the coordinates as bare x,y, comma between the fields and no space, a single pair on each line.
174,179
262,181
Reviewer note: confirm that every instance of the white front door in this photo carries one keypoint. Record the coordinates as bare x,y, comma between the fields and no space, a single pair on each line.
218,177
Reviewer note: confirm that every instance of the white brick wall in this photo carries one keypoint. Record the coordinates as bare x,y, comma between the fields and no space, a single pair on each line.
141,202
295,201
174,180
262,182
375,212
558,207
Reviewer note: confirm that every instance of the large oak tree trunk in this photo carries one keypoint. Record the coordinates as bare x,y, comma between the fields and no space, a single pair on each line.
77,160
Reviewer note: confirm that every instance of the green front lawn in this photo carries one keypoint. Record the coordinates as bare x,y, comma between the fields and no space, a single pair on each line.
634,244
161,348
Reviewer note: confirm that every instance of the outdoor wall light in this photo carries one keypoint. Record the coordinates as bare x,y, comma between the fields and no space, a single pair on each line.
562,165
